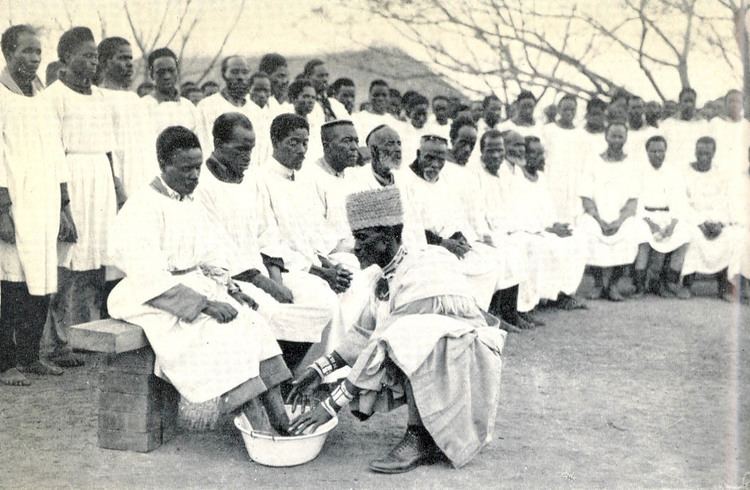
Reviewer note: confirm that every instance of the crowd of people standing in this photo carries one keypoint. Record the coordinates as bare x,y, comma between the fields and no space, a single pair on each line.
106,195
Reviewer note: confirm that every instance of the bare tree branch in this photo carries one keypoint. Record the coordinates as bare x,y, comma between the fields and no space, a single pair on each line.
223,42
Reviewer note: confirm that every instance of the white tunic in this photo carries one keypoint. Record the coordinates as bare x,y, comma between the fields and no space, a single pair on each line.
232,206
134,159
662,199
708,199
610,185
88,135
32,166
365,121
157,236
444,209
681,137
562,260
181,112
563,169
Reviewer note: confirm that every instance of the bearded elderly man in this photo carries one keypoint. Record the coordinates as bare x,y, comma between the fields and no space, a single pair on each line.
384,145
208,340
421,340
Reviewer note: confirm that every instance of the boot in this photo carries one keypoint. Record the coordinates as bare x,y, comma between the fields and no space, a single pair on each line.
416,448
639,281
597,292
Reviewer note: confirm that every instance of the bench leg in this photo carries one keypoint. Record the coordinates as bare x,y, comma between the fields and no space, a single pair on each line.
137,410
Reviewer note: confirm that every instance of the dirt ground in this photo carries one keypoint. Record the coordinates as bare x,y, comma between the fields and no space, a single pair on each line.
649,393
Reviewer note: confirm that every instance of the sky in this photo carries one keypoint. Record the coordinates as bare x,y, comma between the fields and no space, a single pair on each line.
295,27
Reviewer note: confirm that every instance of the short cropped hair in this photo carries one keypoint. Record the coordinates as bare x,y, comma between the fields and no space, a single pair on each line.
257,75
71,39
224,125
310,67
459,123
415,100
297,86
108,47
595,103
271,62
525,94
173,139
486,101
570,97
284,124
687,90
490,134
9,40
225,62
378,82
341,82
160,53
656,139
706,139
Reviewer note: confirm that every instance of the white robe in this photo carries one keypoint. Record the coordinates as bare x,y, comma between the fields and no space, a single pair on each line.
88,135
610,185
663,188
134,159
708,199
32,166
681,137
563,169
444,209
181,112
156,236
732,141
365,122
232,206
562,259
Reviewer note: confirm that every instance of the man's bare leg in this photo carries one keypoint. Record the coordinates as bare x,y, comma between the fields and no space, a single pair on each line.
275,409
255,413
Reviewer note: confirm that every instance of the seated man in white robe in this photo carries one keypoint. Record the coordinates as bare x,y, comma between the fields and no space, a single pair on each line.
340,151
421,341
297,305
302,97
208,340
563,246
713,236
438,193
481,197
609,193
662,206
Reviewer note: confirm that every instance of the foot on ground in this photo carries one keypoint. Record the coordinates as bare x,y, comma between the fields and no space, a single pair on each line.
569,303
533,319
41,368
613,294
67,360
13,377
509,327
597,292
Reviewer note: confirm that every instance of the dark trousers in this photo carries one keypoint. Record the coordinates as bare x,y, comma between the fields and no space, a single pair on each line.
22,318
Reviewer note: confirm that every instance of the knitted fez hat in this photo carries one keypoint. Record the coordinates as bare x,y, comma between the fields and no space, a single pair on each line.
379,207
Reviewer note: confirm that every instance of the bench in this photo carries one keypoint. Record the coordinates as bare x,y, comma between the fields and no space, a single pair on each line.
137,410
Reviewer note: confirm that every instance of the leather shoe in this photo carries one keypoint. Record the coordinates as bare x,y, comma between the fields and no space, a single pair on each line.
416,448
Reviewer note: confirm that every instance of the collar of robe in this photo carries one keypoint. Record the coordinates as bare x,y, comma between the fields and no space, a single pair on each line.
222,171
385,182
235,101
162,188
10,83
172,96
382,290
415,168
607,158
80,86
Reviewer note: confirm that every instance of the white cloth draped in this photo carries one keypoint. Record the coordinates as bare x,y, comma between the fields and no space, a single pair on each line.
203,359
